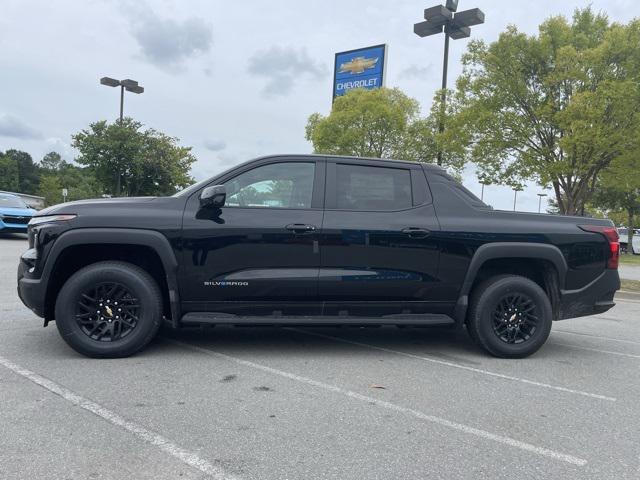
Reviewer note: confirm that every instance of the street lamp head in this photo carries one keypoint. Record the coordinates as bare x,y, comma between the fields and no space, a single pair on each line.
452,5
469,18
136,89
437,15
109,82
128,83
456,33
426,29
542,195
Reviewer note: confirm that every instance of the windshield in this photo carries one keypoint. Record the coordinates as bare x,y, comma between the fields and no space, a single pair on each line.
11,201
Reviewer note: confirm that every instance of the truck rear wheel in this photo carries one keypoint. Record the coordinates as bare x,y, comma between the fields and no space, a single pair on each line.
510,316
109,310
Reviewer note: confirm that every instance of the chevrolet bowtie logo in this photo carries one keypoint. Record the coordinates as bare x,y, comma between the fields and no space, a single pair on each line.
358,65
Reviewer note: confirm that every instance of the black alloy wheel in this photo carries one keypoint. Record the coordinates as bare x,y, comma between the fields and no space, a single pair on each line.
107,312
109,309
515,318
509,316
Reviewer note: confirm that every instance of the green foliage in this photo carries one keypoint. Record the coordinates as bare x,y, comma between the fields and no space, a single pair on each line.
382,123
50,189
18,173
128,160
51,162
618,190
57,174
8,173
558,107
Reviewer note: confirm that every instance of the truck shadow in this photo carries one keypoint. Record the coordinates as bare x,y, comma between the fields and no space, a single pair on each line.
446,344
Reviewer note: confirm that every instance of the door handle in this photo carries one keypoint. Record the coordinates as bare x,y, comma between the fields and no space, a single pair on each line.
415,232
300,228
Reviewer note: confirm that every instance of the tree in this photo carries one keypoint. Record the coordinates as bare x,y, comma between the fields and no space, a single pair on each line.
18,173
57,174
52,162
382,123
558,107
618,190
128,160
50,189
8,173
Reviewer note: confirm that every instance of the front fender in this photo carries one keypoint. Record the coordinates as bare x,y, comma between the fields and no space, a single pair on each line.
128,236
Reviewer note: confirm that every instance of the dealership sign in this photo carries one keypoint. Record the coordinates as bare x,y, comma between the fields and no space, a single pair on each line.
361,68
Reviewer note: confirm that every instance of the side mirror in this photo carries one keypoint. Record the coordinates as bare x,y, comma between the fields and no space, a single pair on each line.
213,196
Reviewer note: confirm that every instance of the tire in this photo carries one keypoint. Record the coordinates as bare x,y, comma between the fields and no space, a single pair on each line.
509,316
130,323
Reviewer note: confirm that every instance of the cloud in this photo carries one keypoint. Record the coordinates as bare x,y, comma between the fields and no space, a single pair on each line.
281,65
419,72
168,43
214,145
13,127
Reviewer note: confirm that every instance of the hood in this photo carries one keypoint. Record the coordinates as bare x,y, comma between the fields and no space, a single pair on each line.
71,207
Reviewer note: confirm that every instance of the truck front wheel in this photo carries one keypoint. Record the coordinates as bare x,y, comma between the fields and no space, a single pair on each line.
509,316
109,310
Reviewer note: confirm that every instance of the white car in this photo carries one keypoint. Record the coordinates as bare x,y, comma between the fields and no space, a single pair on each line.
623,232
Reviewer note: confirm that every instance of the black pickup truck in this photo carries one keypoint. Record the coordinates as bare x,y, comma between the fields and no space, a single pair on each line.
314,240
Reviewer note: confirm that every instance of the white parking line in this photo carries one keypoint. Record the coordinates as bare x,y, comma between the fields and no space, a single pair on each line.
545,452
461,367
596,350
627,300
142,433
566,332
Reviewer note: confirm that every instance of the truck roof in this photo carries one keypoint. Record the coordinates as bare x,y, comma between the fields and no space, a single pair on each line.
429,166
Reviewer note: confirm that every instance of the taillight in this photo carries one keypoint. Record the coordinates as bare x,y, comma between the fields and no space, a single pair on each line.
611,234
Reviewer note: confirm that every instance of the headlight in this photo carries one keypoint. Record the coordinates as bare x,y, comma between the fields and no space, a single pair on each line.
50,218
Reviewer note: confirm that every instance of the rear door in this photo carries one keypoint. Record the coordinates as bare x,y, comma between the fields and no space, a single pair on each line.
378,252
259,253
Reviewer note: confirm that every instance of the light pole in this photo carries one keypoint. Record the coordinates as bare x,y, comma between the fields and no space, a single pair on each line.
515,196
540,195
127,84
442,18
484,184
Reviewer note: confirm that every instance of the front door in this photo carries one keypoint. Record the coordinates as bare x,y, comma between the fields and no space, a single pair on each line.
258,253
379,254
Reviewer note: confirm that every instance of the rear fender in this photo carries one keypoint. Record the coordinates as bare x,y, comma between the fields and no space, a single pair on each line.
499,250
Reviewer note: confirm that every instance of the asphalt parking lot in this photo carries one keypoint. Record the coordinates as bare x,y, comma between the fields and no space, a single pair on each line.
334,403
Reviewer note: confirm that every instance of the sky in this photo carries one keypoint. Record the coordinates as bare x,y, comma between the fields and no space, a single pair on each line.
234,80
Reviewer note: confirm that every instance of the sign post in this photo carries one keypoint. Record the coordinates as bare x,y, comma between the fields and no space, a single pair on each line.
360,68
65,192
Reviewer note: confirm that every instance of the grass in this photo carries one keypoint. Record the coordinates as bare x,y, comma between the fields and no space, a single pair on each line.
629,259
630,285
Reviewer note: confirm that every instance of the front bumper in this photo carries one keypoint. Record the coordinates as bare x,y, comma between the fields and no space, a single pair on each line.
12,228
594,298
32,291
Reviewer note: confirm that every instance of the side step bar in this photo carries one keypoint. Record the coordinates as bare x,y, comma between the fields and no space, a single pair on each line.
215,318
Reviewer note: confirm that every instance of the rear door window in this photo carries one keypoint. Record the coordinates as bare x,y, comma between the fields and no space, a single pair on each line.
364,188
